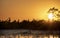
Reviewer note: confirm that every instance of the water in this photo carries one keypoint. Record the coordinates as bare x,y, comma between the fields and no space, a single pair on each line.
27,34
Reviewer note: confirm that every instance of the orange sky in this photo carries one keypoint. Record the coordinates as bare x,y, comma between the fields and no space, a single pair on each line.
26,9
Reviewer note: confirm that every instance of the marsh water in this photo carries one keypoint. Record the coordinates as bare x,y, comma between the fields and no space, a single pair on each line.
28,34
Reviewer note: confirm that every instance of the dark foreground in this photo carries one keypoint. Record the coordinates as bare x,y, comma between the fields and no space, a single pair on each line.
30,25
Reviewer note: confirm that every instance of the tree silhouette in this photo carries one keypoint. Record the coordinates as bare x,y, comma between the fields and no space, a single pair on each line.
55,12
31,25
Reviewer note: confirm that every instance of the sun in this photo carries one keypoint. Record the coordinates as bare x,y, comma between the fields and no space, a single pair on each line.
50,16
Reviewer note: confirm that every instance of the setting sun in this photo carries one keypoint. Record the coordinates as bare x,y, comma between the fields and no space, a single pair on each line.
50,16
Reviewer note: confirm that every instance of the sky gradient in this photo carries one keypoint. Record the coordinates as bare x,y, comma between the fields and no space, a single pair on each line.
26,9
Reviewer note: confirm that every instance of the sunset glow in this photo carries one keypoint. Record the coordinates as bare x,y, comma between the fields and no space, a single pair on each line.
27,9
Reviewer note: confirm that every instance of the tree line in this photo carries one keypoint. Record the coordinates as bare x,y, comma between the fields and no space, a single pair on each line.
31,25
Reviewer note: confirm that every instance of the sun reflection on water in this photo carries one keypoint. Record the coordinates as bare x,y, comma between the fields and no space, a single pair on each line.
29,36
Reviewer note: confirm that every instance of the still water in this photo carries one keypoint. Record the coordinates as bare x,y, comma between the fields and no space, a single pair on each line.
27,34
